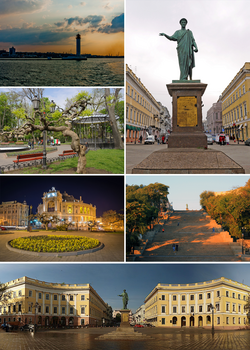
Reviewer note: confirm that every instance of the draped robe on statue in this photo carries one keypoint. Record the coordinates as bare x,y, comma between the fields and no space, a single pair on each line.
185,51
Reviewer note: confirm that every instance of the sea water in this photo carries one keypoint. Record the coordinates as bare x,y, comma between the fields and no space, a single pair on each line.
56,72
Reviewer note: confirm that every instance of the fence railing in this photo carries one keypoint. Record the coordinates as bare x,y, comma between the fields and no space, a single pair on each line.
17,166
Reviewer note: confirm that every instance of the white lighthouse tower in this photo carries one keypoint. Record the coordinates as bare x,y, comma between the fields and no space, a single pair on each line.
78,45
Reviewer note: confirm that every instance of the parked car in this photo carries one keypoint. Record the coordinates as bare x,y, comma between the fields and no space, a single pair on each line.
2,228
150,140
247,142
6,326
139,326
210,140
27,327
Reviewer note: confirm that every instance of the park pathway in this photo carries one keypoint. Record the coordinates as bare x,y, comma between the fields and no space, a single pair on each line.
199,238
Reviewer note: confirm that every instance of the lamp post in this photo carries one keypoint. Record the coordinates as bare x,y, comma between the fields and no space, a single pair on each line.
212,307
35,306
36,106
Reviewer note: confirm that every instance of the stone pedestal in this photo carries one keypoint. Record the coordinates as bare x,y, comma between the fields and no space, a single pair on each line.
187,130
124,318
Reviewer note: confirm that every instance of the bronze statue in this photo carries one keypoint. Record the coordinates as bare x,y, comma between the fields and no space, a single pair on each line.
124,296
185,48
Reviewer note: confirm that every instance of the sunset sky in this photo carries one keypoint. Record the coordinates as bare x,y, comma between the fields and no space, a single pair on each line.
52,25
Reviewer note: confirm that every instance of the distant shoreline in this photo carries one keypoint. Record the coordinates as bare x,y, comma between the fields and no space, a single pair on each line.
46,59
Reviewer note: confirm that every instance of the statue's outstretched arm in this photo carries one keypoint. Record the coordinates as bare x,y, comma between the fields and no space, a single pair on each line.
167,36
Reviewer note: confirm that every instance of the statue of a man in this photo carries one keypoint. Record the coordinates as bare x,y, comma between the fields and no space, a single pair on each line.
124,296
185,48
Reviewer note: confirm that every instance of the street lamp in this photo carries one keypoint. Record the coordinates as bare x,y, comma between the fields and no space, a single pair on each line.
212,307
36,106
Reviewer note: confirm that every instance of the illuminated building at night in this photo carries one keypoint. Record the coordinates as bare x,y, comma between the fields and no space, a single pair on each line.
67,208
13,213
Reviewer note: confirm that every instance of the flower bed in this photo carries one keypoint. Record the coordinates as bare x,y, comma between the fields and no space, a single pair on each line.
52,244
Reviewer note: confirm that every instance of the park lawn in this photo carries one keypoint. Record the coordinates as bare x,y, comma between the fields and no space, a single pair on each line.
110,160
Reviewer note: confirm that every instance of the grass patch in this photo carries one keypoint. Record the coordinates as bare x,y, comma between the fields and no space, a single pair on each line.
53,244
110,160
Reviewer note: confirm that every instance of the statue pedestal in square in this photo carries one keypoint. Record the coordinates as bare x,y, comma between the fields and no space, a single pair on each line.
187,129
124,318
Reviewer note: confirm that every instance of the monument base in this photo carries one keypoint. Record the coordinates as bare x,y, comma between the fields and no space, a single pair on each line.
191,161
187,140
124,318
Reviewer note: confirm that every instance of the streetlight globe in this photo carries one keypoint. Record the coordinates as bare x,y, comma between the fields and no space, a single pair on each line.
36,103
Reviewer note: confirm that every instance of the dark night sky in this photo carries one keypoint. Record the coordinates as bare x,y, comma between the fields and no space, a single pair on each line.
106,192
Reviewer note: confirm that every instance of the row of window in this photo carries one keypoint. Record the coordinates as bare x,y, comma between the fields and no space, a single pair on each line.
47,296
139,99
200,296
174,321
139,118
200,308
18,308
234,97
235,114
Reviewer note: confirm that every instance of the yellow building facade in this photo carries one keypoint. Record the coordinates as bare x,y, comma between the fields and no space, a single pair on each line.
143,112
67,208
52,304
217,302
236,105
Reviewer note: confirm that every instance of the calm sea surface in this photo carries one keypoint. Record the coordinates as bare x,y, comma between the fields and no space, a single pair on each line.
93,72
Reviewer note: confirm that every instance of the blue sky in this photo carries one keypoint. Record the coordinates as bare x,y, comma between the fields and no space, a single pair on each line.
51,25
109,280
186,189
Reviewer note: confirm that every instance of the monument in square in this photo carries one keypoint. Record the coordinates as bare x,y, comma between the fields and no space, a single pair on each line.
187,104
187,151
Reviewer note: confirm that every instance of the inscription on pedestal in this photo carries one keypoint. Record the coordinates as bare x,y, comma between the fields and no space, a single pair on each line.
187,111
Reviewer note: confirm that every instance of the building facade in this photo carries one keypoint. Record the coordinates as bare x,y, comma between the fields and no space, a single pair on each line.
144,115
139,315
67,208
52,304
220,302
14,214
214,118
236,105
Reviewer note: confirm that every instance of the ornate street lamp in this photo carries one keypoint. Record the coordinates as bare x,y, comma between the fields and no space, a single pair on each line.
212,308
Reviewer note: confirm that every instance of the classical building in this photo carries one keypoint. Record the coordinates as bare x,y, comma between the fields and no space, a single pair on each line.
219,301
214,118
14,214
67,208
52,304
236,105
144,115
139,315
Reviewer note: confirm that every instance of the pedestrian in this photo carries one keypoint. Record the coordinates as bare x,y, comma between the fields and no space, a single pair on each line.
32,144
163,230
158,140
174,249
163,139
141,139
213,230
178,224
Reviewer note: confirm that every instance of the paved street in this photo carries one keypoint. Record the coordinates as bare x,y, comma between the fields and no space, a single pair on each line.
193,232
137,153
169,338
4,160
113,247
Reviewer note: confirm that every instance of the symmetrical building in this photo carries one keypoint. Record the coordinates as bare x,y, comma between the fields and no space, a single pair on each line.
14,214
52,304
236,105
219,302
144,115
214,118
67,208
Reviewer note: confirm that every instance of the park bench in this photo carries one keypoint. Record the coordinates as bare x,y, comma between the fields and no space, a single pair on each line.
67,153
28,157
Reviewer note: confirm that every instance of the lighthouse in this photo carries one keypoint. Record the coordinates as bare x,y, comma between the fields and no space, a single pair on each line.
78,45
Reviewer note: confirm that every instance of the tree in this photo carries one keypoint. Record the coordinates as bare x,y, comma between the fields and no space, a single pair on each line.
47,219
92,224
4,295
110,102
112,218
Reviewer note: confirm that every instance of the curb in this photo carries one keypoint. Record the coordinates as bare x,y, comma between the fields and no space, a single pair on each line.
78,252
